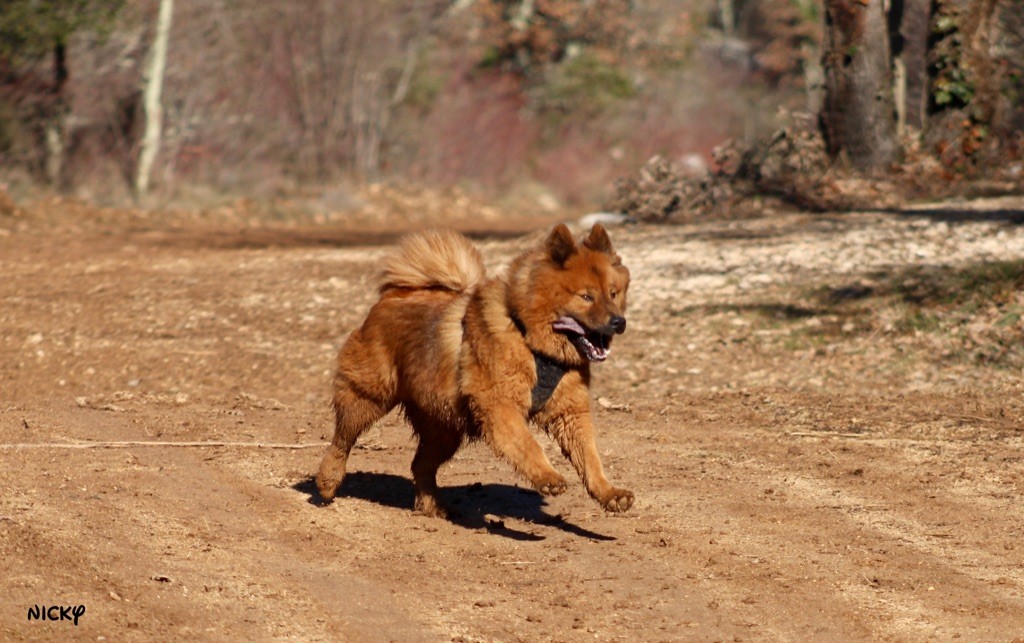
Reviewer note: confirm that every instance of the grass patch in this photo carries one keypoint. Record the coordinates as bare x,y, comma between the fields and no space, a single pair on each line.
583,85
773,311
915,320
970,286
975,310
969,314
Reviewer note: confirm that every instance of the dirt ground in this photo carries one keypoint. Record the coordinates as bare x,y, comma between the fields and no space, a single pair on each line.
816,453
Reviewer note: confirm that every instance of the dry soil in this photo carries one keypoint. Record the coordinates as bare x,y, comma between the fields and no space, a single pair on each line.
811,458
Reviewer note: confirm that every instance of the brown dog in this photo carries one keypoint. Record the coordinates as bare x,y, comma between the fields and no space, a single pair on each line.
469,358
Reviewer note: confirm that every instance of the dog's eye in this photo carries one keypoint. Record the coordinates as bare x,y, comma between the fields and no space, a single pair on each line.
586,296
615,294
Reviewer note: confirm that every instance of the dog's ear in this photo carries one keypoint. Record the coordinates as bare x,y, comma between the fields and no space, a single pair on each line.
598,240
560,244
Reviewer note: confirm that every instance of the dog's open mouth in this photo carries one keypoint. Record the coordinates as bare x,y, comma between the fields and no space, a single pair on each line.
592,345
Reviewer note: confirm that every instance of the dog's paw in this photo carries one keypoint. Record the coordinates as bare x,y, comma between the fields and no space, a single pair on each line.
430,506
552,485
326,488
618,500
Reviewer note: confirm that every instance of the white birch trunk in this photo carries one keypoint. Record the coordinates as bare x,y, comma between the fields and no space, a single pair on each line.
54,152
153,81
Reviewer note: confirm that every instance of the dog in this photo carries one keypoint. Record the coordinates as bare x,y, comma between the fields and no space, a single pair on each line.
472,357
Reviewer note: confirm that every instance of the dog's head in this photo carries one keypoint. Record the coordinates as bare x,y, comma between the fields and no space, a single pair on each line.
585,291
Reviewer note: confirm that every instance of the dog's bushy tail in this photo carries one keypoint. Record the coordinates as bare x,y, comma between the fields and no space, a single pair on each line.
438,259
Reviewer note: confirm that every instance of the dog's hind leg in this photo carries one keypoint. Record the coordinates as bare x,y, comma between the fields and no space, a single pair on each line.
355,409
438,443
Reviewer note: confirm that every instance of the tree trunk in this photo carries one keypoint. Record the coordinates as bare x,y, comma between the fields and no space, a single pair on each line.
910,27
858,115
54,133
976,28
153,86
727,11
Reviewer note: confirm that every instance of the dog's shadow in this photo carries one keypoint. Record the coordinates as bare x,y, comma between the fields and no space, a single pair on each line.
475,506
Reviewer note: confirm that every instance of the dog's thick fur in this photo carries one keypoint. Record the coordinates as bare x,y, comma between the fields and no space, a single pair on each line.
457,351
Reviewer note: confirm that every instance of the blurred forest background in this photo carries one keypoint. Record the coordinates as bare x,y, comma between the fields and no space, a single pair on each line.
658,108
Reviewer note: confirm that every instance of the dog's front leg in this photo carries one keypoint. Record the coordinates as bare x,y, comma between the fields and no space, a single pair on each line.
567,420
575,434
504,427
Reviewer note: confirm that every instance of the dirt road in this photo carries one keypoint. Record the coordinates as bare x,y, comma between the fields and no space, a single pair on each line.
816,453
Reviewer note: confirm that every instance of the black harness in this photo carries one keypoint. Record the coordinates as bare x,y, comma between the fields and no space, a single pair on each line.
549,373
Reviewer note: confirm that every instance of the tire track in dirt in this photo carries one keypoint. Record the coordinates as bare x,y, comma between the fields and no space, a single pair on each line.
815,508
872,515
198,541
755,470
747,568
875,505
290,550
806,557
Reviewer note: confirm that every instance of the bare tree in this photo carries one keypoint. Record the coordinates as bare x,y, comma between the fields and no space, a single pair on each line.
153,81
32,29
335,66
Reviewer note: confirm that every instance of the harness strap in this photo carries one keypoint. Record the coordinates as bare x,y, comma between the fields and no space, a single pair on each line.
549,373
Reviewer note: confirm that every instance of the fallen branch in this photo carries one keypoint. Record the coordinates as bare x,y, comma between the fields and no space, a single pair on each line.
146,443
826,434
976,418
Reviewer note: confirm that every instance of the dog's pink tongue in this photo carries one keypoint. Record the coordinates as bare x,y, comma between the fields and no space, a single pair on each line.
568,324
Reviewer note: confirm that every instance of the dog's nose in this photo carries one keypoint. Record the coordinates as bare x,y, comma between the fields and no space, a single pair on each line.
618,324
